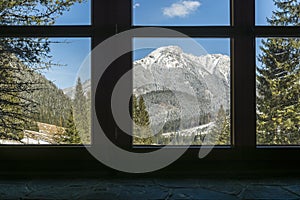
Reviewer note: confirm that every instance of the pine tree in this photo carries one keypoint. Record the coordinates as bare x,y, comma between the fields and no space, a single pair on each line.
220,133
141,134
135,110
223,124
14,109
71,134
278,81
81,113
143,113
89,117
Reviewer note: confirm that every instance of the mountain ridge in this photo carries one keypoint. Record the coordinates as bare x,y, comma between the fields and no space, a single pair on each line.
70,91
208,76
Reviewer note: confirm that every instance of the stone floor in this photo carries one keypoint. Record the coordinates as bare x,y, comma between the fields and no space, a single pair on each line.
167,189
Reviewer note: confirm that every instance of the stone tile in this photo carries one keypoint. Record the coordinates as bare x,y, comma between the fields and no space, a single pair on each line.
231,187
52,193
272,182
266,192
152,189
199,194
177,183
65,189
295,189
98,195
147,193
132,182
13,190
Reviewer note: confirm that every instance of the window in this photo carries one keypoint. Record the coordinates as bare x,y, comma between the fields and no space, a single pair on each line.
175,65
245,34
45,96
49,41
234,30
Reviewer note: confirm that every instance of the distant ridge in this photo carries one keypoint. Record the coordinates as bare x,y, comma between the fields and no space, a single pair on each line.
70,91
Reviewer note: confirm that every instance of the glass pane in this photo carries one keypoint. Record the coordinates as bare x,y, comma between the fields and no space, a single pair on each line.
59,12
181,13
278,91
44,95
181,91
277,13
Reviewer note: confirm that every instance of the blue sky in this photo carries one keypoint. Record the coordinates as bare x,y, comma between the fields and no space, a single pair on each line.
174,12
72,51
79,14
195,46
191,12
148,12
70,54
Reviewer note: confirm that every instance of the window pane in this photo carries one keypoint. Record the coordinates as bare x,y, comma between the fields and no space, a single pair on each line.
283,13
44,94
58,12
278,91
181,91
181,13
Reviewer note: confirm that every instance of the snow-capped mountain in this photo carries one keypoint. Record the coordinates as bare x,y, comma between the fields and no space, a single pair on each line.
168,73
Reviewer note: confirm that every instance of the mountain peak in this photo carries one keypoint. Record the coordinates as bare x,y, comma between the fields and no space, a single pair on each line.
174,57
174,50
171,48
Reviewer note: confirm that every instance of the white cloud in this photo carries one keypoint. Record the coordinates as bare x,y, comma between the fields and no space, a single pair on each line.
136,5
181,9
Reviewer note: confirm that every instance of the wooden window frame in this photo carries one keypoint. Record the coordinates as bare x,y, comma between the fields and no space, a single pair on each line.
114,16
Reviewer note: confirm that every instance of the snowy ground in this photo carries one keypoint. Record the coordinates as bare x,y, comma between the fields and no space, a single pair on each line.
197,130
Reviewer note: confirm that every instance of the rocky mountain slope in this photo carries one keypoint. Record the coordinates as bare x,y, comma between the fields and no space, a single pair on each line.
167,78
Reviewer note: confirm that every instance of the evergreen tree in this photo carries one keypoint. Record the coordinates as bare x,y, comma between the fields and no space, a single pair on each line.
223,126
81,113
141,134
89,117
71,134
220,133
143,113
278,81
15,109
135,110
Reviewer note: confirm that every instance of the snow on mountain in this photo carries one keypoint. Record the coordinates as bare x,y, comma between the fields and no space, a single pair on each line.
171,70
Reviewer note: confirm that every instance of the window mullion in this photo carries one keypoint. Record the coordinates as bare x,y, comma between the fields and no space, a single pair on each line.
244,123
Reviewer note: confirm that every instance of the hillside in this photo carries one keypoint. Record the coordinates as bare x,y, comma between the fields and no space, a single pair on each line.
52,106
